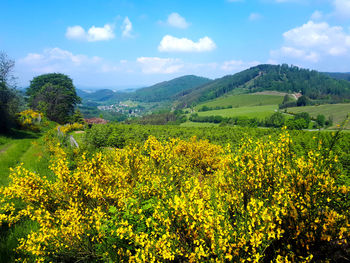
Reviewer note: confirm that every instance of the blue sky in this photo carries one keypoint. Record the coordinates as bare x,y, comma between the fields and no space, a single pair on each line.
124,43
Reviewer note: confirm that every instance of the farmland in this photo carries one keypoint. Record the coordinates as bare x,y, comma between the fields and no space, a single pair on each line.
243,100
259,112
338,112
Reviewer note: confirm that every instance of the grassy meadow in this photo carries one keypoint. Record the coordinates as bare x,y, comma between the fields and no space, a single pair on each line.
338,112
242,100
259,112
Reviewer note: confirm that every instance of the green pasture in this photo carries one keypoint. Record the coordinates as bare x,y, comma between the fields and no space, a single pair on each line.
337,112
243,100
259,112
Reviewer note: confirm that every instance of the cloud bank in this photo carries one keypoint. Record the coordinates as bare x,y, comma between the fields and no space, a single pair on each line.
174,44
92,35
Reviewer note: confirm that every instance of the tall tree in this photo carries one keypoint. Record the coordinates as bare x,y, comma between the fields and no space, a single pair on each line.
55,95
9,98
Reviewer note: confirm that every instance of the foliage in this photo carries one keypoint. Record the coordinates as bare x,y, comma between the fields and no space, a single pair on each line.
54,95
206,108
6,69
335,113
303,101
30,120
10,99
67,128
215,119
275,120
161,118
184,201
117,135
78,117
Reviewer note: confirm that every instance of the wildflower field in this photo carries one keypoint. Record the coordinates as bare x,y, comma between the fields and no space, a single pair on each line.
248,195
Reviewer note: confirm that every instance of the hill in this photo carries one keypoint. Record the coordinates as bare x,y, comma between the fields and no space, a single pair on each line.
241,100
167,89
103,96
163,91
338,75
290,79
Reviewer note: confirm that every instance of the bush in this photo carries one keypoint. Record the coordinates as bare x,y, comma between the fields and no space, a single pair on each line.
98,135
30,120
181,201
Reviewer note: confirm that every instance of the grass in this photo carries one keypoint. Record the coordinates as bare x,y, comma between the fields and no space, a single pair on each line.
259,112
11,155
21,147
9,239
337,112
243,100
36,159
27,148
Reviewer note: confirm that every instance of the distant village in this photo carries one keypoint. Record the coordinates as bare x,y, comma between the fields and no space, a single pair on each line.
131,111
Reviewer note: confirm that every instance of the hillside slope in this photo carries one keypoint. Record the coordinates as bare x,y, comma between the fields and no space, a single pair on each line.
338,75
284,78
163,91
167,89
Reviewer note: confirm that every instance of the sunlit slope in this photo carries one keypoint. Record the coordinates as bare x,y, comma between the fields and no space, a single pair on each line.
337,112
242,100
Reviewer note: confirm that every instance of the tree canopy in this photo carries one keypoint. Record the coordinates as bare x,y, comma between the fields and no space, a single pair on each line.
9,98
54,94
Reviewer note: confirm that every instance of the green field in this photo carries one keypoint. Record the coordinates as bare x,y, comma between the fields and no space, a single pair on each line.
259,112
27,150
243,100
337,112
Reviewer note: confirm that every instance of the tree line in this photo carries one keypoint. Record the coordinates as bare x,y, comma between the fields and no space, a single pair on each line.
276,120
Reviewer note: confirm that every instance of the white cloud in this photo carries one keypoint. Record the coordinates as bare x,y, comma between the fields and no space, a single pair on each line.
175,20
291,52
126,27
342,8
100,33
76,32
254,16
92,35
174,44
238,65
319,36
313,42
156,65
59,60
317,15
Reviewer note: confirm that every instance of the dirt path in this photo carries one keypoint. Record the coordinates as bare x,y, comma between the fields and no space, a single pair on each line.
10,156
5,147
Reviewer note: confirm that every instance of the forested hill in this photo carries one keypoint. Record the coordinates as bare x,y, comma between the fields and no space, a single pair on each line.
339,75
167,89
284,78
163,91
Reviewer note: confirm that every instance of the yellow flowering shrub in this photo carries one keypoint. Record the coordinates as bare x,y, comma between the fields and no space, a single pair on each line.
183,201
30,119
71,127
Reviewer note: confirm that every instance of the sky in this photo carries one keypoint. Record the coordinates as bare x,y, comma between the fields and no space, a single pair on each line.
136,43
